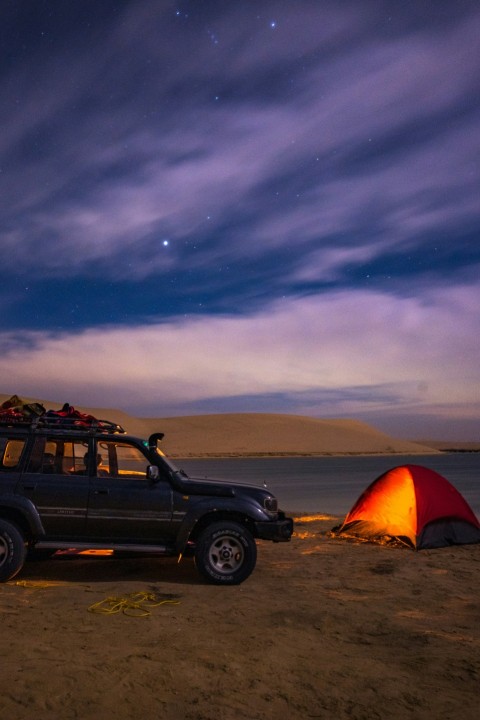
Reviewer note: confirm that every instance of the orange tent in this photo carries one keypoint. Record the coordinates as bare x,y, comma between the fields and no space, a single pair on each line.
416,505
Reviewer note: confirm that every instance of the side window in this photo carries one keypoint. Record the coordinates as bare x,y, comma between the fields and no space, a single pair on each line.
58,456
121,459
10,453
75,458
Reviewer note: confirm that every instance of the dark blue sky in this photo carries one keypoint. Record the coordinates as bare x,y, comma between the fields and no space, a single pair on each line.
212,206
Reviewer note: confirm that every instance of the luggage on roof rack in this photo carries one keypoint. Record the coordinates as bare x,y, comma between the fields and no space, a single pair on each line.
68,416
13,402
16,412
35,416
93,425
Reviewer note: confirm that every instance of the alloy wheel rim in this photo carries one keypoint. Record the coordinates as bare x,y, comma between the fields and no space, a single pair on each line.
226,554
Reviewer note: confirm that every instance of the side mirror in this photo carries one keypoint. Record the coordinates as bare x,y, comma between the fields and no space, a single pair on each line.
153,473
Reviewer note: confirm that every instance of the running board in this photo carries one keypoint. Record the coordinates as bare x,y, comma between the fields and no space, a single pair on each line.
154,549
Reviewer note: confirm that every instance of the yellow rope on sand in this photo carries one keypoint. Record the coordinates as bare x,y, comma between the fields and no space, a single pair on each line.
135,604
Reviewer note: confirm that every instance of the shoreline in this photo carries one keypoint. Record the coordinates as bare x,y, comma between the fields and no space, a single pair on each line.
242,456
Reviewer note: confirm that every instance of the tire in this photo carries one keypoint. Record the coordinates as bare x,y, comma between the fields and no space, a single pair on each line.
12,550
225,553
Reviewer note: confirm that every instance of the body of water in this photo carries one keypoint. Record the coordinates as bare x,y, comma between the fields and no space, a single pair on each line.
332,484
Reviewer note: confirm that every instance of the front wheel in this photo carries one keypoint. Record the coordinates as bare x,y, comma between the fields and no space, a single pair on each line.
225,553
12,550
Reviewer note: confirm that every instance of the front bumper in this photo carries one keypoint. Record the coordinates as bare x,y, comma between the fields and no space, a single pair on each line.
279,530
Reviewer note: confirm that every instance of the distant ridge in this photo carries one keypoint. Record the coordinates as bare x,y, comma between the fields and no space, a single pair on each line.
255,434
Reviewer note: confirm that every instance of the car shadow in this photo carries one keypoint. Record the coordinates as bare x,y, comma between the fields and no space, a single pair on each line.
87,568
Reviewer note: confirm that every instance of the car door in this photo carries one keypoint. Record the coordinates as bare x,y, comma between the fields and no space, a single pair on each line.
56,481
125,505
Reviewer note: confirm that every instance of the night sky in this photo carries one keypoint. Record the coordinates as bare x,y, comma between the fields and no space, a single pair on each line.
244,206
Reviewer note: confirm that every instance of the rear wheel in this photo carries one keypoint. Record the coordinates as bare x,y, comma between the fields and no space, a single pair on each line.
12,550
225,553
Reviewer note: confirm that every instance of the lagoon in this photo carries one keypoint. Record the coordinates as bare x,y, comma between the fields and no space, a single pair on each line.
331,485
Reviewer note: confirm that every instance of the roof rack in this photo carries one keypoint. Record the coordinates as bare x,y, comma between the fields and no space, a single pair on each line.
52,422
93,426
15,413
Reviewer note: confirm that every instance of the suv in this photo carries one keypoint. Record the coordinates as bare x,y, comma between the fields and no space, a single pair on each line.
67,485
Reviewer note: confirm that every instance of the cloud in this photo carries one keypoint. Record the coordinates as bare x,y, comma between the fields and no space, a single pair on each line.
371,135
400,352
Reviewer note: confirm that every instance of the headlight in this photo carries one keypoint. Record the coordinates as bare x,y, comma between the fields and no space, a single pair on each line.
270,504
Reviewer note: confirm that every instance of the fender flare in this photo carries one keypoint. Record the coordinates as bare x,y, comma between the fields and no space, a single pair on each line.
222,506
27,510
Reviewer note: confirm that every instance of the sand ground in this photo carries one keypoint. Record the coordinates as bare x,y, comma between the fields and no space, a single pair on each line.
324,628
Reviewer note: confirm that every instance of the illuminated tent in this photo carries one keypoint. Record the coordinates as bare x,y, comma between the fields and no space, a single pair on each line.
416,505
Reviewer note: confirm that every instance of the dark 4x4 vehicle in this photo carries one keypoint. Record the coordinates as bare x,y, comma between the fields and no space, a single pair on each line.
65,486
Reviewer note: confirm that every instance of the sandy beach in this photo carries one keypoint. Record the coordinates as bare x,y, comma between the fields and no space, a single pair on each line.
324,628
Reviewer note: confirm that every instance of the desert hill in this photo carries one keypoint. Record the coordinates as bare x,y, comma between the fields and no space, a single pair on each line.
241,434
253,434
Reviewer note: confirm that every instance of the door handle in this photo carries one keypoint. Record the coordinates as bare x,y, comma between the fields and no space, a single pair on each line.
30,487
103,491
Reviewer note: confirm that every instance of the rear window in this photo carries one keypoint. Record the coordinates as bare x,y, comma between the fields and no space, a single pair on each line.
59,456
10,452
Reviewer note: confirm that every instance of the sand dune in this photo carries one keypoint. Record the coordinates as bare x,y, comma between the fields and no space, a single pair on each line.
273,434
251,434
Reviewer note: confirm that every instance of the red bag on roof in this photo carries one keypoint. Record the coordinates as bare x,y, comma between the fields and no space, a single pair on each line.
68,412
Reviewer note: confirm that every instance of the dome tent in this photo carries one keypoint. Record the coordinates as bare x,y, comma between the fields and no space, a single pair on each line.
414,504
